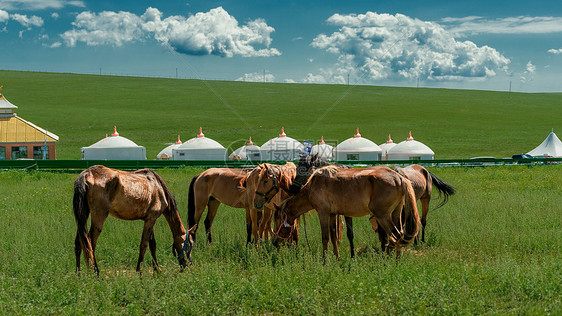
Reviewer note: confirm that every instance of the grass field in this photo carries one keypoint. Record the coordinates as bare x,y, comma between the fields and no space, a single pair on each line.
493,249
81,109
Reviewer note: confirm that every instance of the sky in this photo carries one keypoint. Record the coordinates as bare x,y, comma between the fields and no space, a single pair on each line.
486,45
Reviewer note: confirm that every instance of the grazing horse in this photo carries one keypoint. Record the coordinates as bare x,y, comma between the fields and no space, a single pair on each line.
379,192
211,188
267,184
422,182
141,194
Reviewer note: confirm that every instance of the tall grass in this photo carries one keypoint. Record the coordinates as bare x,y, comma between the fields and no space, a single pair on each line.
493,249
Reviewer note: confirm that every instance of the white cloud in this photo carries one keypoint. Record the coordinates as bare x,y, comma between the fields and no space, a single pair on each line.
257,77
555,51
206,33
511,25
529,73
38,4
27,21
55,15
289,81
374,46
4,16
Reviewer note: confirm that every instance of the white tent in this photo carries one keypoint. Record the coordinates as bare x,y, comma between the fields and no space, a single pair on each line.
114,147
386,147
166,153
357,148
246,152
199,148
281,148
410,149
550,147
323,150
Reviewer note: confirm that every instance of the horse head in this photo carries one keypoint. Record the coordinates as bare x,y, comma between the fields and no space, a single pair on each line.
266,185
283,227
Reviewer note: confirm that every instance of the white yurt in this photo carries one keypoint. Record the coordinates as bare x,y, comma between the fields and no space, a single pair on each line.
386,147
199,148
550,147
357,148
166,153
281,148
323,150
410,149
246,152
114,147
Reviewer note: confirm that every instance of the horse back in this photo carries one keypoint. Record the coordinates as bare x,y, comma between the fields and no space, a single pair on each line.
223,184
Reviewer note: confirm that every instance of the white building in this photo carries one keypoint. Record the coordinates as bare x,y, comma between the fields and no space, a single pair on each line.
166,153
281,148
357,148
410,149
114,147
246,152
323,150
199,148
386,147
550,147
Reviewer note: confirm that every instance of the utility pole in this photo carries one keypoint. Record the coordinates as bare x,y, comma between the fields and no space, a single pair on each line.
264,76
510,89
176,72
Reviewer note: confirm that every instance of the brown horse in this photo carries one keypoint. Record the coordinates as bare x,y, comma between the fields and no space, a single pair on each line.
380,192
422,182
141,194
215,186
267,184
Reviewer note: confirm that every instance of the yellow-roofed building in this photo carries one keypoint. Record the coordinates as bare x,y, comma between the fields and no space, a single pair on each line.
20,139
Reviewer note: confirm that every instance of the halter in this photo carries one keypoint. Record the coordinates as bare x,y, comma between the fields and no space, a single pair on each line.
274,187
284,224
186,246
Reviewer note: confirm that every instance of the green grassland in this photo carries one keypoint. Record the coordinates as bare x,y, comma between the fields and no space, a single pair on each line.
493,249
81,109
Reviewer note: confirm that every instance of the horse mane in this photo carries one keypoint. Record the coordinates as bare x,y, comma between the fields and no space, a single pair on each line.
329,170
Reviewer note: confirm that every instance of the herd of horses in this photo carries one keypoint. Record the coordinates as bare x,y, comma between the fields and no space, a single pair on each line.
275,198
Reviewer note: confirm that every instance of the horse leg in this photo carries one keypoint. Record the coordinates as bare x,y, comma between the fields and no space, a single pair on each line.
255,221
392,233
77,251
248,226
212,208
349,231
335,232
264,223
98,218
325,230
340,228
425,210
146,232
152,247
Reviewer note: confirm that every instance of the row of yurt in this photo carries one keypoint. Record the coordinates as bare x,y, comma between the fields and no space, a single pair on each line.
280,148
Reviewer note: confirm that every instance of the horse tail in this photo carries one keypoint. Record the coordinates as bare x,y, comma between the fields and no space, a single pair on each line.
81,210
443,187
411,217
191,203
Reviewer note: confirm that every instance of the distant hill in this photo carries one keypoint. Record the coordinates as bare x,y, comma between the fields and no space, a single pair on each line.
81,109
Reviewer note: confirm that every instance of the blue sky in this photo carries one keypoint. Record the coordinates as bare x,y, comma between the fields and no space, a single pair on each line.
452,44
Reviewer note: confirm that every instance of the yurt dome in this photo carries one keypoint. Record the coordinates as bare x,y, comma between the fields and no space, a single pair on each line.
281,148
114,147
323,150
166,153
386,147
550,147
410,149
357,148
246,152
199,148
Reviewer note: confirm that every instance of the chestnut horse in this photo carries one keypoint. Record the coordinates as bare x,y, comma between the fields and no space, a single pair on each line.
215,186
141,194
379,192
422,182
267,184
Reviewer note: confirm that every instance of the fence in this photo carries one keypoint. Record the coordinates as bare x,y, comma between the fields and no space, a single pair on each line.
69,165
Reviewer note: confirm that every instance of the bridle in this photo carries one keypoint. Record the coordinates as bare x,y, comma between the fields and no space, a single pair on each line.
284,224
187,249
274,187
